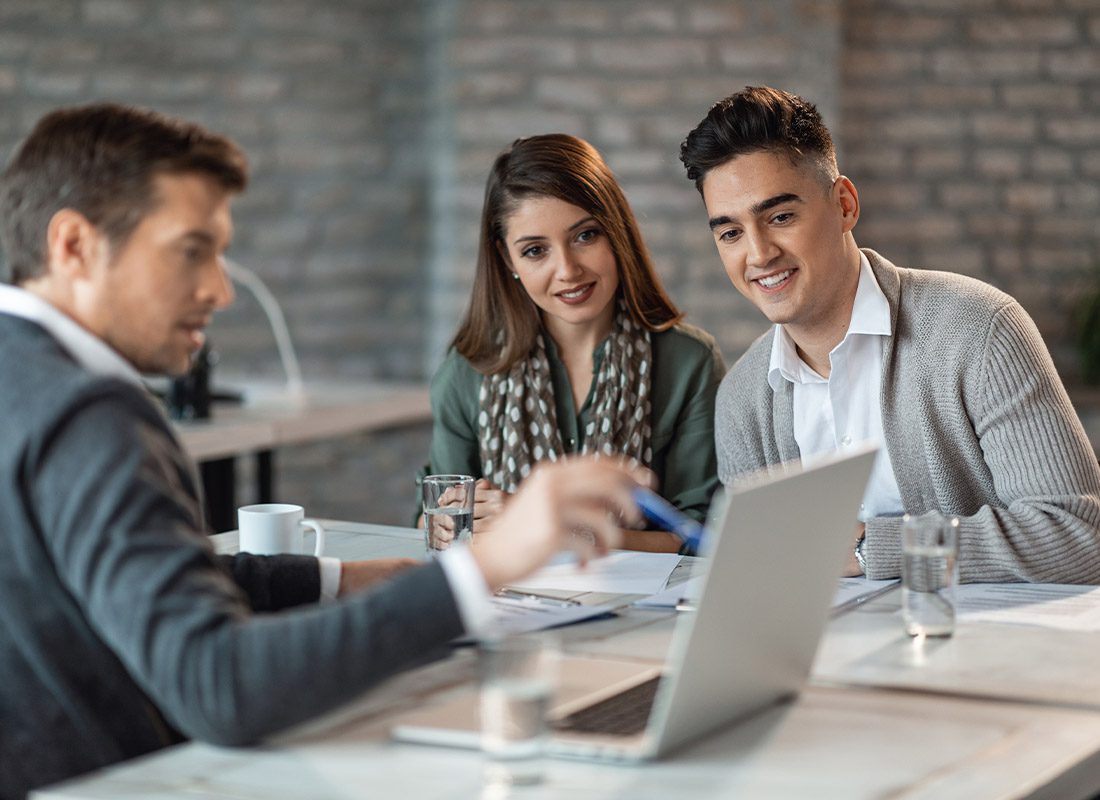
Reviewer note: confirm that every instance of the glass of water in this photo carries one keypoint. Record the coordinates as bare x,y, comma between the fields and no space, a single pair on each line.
929,573
448,510
518,678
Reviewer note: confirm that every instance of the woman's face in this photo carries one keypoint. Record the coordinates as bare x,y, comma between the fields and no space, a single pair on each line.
565,263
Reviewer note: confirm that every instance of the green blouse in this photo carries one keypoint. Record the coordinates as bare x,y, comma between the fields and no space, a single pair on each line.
687,368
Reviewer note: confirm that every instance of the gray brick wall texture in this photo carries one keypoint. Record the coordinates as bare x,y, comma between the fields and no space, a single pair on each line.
970,128
973,130
633,78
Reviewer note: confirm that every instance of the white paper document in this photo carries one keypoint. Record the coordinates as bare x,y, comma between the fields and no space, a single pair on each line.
618,573
1071,608
513,615
689,590
850,591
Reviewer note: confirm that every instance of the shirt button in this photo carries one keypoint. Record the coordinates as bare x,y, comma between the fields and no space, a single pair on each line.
846,441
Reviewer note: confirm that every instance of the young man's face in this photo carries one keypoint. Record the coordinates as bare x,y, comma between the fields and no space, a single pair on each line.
780,232
152,298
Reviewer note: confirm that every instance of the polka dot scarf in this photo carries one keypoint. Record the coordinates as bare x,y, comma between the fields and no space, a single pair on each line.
517,422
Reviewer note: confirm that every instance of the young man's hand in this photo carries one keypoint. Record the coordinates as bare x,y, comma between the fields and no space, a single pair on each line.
852,569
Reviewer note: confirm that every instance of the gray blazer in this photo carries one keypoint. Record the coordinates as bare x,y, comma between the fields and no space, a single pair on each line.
977,424
120,632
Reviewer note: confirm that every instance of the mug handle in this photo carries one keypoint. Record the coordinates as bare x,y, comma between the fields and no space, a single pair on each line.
312,523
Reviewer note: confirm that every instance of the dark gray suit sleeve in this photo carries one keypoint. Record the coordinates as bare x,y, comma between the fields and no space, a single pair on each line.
123,530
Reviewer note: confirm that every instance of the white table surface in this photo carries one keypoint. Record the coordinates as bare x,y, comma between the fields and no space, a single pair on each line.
1018,662
833,741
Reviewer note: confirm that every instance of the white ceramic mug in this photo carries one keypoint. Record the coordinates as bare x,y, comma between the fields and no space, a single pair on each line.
272,528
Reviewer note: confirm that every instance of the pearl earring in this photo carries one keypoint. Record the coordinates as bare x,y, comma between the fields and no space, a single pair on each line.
515,276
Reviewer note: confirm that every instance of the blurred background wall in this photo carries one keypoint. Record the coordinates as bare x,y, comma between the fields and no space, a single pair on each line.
972,130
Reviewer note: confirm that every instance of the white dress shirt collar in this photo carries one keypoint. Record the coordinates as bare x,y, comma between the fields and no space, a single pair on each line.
870,316
99,358
90,351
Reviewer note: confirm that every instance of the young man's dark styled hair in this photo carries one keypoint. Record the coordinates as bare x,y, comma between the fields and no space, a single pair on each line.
100,160
756,119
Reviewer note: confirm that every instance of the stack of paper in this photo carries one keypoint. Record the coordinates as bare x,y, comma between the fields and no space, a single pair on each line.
618,573
1072,608
534,614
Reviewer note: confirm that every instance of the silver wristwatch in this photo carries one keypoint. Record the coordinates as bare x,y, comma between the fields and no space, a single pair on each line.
859,553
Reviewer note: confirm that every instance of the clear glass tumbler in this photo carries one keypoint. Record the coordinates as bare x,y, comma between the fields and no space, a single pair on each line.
929,573
518,678
448,510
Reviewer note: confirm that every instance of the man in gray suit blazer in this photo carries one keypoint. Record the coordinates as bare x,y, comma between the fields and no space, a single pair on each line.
950,374
121,632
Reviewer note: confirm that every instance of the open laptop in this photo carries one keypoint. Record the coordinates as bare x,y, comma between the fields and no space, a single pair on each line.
775,553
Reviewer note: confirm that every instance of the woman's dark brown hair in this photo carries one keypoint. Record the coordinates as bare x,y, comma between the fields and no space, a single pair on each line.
501,322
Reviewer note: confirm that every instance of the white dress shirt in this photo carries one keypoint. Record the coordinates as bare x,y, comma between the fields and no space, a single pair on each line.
96,356
844,410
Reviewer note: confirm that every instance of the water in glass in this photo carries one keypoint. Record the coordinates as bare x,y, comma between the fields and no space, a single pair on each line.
514,730
446,526
929,571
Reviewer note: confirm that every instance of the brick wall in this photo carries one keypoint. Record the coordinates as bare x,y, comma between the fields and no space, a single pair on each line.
331,100
327,97
633,78
970,129
973,132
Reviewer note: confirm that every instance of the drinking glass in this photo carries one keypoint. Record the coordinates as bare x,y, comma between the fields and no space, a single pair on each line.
929,573
518,677
448,510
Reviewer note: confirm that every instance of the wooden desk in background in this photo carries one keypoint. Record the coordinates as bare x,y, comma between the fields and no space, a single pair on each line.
270,418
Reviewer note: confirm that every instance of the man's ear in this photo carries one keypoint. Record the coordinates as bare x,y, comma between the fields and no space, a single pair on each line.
73,244
848,198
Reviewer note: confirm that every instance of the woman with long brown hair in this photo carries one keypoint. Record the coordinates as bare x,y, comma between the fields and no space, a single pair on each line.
570,343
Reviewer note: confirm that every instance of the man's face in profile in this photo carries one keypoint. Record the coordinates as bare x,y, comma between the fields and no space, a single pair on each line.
153,296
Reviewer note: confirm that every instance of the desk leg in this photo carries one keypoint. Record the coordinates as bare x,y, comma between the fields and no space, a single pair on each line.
219,485
265,476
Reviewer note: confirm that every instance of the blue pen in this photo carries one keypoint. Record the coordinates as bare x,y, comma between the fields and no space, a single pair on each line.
667,517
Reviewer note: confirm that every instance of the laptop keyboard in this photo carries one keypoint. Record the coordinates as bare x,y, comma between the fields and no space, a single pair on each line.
622,714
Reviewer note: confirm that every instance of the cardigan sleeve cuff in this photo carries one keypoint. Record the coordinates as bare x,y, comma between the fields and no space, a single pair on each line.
882,548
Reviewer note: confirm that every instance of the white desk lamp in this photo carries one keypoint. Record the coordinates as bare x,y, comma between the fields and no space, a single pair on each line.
251,281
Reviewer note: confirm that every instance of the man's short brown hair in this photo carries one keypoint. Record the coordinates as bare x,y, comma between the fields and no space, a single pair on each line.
100,160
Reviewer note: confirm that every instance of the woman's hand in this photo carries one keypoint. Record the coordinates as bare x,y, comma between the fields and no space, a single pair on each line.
488,504
556,499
